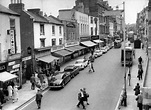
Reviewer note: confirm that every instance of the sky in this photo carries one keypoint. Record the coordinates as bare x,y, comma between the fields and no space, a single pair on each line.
132,7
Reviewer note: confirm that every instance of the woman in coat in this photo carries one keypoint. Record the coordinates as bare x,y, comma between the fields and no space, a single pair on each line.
10,92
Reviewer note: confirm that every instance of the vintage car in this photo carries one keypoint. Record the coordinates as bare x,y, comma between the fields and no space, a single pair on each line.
59,80
81,63
97,53
72,69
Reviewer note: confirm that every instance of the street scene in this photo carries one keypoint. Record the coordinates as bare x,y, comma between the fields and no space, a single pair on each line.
75,55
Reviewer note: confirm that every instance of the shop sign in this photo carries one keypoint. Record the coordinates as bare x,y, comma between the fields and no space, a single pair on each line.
71,43
3,67
94,37
86,38
26,58
15,56
12,42
13,66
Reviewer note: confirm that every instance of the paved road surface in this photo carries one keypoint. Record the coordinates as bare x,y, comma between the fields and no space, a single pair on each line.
104,87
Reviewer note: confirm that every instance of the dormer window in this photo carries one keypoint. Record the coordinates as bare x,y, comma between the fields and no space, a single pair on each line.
42,32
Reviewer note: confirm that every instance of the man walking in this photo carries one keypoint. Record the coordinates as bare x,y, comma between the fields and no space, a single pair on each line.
140,60
81,99
39,98
92,67
33,82
140,101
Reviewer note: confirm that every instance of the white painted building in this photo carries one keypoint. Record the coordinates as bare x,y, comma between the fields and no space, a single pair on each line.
93,26
81,18
9,33
111,28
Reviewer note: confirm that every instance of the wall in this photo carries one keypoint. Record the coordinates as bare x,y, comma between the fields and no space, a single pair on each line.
4,37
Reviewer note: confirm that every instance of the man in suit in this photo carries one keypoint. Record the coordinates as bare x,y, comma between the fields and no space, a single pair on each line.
81,99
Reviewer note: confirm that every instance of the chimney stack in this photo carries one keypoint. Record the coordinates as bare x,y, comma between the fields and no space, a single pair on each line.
16,6
36,11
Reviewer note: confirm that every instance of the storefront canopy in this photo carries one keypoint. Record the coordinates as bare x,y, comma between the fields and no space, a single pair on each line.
88,43
6,76
63,52
75,48
48,58
98,41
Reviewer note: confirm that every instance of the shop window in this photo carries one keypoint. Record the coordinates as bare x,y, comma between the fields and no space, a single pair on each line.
42,32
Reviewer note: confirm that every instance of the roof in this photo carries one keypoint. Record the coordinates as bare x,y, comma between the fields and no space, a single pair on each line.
7,11
37,17
53,20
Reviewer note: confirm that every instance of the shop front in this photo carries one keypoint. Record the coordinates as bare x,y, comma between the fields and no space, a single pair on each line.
64,54
14,67
77,50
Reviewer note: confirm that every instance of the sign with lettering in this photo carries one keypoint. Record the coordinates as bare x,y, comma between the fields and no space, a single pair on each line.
14,66
12,41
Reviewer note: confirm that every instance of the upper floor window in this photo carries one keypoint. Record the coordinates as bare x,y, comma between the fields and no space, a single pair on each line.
60,30
12,23
60,41
42,31
92,20
42,42
53,30
53,42
91,30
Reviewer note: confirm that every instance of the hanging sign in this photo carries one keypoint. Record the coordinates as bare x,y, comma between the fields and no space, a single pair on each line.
12,42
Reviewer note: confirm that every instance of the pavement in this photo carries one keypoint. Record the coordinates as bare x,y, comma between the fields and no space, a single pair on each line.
131,98
26,94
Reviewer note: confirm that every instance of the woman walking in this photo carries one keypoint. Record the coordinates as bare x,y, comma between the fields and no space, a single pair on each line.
15,94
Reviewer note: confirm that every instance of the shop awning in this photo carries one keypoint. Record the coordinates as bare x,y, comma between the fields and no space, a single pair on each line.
88,43
75,48
48,58
63,52
98,41
6,76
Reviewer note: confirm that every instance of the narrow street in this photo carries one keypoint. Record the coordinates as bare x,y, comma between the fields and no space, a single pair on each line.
104,87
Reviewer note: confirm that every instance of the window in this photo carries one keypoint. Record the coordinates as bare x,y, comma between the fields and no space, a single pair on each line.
60,31
91,20
53,42
42,42
42,32
12,23
60,41
53,30
91,30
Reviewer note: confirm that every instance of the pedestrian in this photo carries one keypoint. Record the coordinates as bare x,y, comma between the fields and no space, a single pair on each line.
140,66
81,99
140,60
15,94
86,95
139,100
10,91
140,74
129,79
33,82
137,89
1,96
92,67
38,98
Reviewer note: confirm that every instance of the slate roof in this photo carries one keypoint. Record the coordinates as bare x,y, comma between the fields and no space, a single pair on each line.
54,20
7,11
37,17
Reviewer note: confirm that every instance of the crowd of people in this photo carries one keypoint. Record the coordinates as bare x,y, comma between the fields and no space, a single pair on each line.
9,92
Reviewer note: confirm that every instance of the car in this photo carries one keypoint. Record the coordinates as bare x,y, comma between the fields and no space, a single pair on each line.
81,63
97,53
72,69
59,80
104,49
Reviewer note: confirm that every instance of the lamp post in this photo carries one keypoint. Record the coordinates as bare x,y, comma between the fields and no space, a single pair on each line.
124,92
